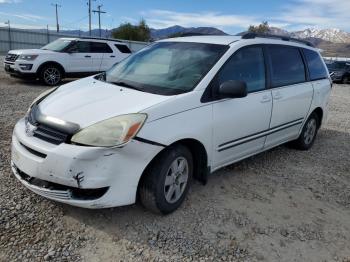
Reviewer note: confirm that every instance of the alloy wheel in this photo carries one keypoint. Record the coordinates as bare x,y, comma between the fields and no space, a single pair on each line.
310,131
52,76
176,180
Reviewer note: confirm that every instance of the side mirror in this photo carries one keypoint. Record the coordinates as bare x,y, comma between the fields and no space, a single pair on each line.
233,89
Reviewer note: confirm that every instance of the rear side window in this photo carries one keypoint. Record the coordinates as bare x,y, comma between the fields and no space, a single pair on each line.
123,49
97,47
246,65
316,68
287,66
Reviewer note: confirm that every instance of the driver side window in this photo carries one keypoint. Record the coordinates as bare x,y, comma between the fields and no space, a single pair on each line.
79,47
247,65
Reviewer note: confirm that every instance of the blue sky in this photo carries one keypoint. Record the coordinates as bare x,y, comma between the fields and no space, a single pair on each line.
228,15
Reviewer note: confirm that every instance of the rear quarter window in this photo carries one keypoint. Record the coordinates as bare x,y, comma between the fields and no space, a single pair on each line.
314,62
287,66
123,49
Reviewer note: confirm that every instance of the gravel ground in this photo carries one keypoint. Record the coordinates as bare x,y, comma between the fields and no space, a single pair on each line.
282,205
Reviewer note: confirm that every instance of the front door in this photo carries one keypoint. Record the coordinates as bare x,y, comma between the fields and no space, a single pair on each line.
240,124
79,57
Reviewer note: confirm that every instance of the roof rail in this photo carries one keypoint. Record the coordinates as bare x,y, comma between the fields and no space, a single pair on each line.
99,38
280,37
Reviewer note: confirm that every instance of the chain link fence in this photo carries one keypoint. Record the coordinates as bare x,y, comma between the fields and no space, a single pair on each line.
13,38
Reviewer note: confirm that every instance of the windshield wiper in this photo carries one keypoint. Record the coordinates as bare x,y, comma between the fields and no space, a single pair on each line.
123,84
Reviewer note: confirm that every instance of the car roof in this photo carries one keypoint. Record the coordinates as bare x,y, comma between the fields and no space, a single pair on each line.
104,40
232,40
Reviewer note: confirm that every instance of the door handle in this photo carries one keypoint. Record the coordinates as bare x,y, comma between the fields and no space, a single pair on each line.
88,56
112,56
277,96
265,99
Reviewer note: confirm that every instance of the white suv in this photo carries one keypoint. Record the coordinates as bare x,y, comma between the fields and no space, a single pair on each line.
178,109
66,57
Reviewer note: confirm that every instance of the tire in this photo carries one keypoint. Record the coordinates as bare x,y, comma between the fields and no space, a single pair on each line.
308,134
164,187
345,80
51,75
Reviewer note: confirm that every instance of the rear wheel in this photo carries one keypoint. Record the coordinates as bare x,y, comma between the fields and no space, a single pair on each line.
167,181
308,134
51,75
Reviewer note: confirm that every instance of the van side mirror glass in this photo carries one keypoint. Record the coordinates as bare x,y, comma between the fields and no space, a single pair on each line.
233,89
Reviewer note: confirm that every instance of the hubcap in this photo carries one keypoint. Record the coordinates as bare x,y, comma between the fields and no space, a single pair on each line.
310,131
176,180
52,76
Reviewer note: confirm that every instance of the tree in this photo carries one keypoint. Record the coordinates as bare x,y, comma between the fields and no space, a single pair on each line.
127,31
263,28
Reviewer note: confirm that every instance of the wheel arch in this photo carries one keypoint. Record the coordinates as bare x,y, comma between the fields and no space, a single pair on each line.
319,112
200,159
51,63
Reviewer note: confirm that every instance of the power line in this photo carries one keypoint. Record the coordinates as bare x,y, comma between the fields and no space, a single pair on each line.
57,24
74,22
99,17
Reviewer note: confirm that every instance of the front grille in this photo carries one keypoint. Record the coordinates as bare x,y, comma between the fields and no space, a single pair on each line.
11,57
50,134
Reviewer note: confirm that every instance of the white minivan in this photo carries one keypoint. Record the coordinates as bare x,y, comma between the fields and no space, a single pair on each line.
66,57
175,111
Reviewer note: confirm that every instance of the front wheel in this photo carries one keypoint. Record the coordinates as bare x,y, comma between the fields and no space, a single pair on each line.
167,181
308,133
51,75
345,80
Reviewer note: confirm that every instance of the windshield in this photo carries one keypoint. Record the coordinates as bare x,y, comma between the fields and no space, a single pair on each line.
58,45
166,68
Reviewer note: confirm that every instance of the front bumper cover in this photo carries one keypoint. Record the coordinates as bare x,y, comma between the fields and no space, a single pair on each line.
79,167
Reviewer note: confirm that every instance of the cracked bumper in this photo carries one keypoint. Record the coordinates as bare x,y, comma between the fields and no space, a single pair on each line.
118,169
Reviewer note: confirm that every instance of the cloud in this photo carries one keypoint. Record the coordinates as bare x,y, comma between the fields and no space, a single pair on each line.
165,18
9,1
27,17
295,15
26,26
316,13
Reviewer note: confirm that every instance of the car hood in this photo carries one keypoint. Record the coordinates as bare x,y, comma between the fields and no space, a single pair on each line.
30,52
88,101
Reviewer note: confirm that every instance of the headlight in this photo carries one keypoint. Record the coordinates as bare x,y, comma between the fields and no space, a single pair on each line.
115,131
28,57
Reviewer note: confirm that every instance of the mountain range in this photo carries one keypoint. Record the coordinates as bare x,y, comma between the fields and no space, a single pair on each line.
333,41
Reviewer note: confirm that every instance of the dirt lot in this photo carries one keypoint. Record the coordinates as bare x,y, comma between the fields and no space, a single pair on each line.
282,205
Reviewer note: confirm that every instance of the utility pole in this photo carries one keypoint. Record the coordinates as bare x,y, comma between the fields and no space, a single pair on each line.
10,40
99,17
89,4
57,24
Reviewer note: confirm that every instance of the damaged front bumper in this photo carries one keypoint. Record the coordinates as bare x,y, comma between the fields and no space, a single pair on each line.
87,177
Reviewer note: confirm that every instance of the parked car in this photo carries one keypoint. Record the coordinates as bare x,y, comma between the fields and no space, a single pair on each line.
66,57
179,109
339,71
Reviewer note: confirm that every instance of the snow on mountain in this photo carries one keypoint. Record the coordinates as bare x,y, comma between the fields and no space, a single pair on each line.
333,35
